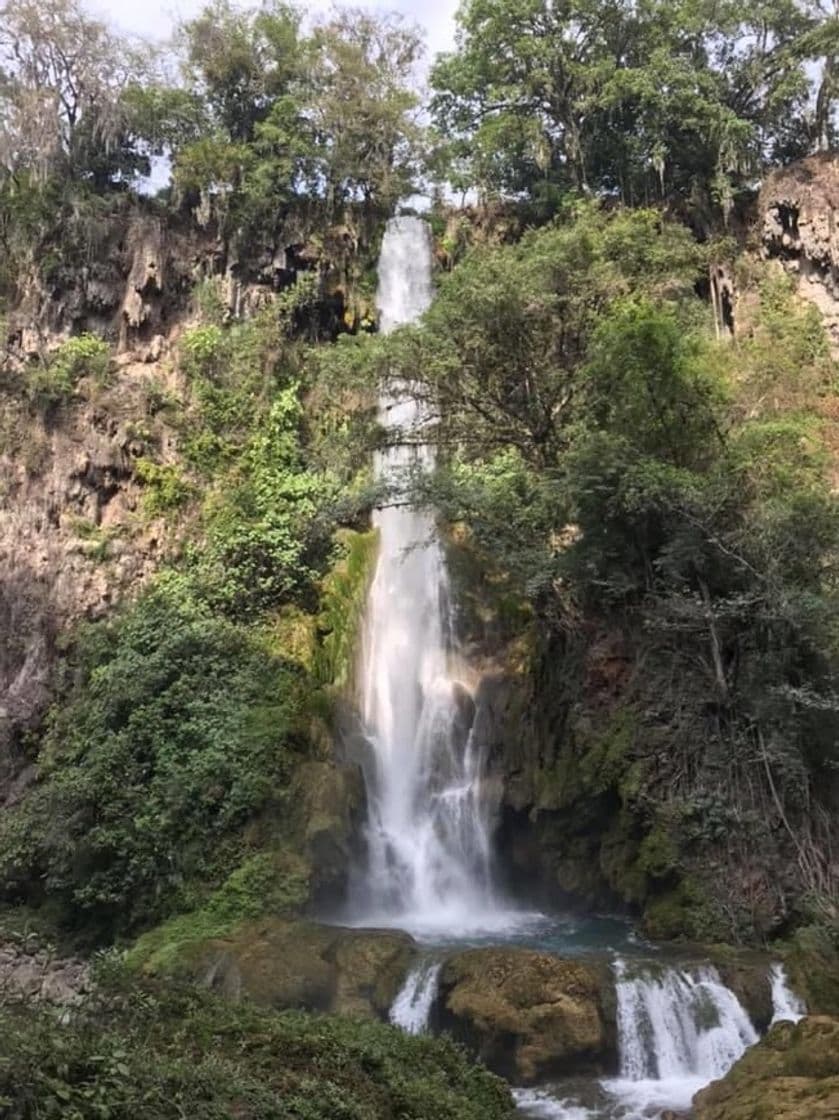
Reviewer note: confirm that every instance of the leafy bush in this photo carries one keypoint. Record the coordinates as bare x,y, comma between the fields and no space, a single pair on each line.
177,730
166,488
55,379
142,1051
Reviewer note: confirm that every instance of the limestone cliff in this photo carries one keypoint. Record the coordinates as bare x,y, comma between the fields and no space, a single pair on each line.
798,210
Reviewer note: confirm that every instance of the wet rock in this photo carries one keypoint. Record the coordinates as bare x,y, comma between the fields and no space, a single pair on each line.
793,1074
329,804
527,1014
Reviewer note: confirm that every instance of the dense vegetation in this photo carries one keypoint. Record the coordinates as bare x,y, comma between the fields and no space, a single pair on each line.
164,1054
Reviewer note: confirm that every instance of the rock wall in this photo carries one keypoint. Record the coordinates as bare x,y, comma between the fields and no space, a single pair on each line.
799,225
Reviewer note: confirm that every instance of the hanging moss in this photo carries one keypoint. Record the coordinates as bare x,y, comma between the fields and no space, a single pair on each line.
343,595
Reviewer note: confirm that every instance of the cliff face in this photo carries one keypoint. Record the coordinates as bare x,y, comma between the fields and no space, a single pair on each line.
75,533
798,224
73,538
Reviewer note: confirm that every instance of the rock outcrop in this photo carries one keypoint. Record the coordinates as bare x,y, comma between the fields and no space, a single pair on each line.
34,974
793,1074
527,1014
73,535
798,208
288,964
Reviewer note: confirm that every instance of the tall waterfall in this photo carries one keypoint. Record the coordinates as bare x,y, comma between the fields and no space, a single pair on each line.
427,836
678,1030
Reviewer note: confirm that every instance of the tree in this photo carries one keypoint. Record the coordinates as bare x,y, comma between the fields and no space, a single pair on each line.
63,83
651,100
363,108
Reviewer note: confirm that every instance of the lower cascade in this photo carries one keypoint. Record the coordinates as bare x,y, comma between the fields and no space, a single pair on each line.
677,1031
412,1006
786,1005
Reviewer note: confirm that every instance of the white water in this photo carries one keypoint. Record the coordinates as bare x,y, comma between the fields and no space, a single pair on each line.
412,1006
428,851
785,1003
542,1105
678,1030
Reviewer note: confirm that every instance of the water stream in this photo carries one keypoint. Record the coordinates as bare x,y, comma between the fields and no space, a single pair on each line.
785,1003
412,1006
427,836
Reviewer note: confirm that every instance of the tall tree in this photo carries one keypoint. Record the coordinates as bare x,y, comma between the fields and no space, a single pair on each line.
63,81
655,99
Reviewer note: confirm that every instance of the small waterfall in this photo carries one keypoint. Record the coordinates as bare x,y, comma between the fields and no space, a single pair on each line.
678,1030
412,1006
785,1003
428,849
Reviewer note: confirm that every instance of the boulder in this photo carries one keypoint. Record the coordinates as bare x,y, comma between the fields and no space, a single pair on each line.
290,964
793,1074
527,1014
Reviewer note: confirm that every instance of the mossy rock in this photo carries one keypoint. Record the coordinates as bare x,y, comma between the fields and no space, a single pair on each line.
527,1014
328,803
793,1074
286,964
813,969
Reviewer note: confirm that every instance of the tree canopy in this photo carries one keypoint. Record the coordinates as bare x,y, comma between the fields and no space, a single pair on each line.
648,101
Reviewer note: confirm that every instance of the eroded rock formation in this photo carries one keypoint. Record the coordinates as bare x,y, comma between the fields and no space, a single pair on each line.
799,225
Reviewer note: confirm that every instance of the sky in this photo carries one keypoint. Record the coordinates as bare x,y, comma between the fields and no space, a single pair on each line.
156,18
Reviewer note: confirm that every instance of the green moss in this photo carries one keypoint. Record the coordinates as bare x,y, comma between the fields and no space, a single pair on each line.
684,912
267,882
343,595
813,966
658,855
604,759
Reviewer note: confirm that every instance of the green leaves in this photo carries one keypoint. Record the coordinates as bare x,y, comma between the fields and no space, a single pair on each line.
153,763
162,1053
655,100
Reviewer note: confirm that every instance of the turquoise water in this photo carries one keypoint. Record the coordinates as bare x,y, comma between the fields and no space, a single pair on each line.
566,936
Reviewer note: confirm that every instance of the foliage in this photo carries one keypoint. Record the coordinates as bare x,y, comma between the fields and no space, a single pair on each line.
54,379
657,100
177,729
162,1053
166,488
268,882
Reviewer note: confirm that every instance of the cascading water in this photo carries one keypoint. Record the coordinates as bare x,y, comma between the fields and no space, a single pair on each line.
412,1006
786,1005
678,1030
427,835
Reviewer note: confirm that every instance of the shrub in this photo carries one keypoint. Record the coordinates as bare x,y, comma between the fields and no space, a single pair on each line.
166,488
179,728
162,1054
55,380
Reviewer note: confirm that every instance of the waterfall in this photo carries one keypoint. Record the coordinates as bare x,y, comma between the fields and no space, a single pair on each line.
427,838
412,1006
678,1029
785,1003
